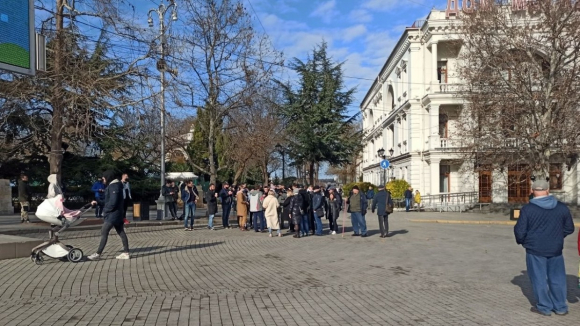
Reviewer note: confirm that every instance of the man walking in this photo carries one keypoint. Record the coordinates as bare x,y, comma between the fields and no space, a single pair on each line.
357,207
370,195
408,198
541,228
113,212
383,203
24,194
226,197
189,196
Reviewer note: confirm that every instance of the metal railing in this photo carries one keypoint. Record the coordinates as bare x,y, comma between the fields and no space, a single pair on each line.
456,202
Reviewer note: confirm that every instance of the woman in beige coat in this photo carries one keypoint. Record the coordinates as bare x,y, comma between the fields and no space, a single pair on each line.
241,209
271,205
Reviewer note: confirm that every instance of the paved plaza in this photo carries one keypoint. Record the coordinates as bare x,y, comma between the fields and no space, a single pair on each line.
426,274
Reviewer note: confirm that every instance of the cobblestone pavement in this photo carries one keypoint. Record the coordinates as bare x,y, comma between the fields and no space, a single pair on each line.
426,274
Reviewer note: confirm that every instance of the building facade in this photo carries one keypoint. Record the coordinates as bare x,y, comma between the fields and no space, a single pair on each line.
412,110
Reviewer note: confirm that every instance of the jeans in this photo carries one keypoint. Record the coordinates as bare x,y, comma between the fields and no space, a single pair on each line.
407,204
270,231
99,210
189,213
259,219
304,224
384,224
126,204
172,206
210,222
107,227
548,277
318,224
359,224
226,208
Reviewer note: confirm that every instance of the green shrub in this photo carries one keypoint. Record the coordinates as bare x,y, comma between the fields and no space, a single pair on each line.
397,188
362,186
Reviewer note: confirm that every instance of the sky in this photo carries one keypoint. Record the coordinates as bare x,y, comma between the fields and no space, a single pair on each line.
362,33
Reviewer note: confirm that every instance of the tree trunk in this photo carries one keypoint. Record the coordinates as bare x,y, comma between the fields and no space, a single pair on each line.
311,175
211,144
56,153
238,174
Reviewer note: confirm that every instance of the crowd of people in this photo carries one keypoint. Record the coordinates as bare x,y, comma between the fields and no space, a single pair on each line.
272,208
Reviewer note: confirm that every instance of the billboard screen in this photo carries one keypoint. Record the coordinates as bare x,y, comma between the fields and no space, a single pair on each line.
17,43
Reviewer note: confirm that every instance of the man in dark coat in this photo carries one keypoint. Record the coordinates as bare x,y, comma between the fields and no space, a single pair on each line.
541,228
408,198
380,202
113,213
170,201
24,194
211,198
226,197
304,206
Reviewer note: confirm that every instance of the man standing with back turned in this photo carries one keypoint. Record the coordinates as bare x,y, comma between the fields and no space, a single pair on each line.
541,228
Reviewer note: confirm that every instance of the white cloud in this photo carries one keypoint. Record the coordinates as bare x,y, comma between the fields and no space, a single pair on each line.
360,16
353,32
326,11
381,5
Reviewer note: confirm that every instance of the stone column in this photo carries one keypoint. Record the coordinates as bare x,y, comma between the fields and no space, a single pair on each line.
434,81
434,172
434,141
6,207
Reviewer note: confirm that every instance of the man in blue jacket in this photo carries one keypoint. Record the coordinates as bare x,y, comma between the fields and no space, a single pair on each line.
541,228
99,190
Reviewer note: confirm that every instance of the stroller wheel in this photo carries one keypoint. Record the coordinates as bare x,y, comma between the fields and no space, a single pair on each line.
75,255
38,260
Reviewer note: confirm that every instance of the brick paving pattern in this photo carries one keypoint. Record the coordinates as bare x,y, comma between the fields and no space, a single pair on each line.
426,274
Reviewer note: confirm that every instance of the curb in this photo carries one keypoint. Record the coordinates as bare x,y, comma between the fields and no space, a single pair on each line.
132,225
471,222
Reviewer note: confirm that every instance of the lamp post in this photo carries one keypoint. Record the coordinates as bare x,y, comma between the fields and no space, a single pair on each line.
162,67
391,151
282,151
381,153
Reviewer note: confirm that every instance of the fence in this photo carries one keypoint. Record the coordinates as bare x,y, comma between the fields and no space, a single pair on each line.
458,201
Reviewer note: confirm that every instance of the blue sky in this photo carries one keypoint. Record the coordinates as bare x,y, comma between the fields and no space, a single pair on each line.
362,33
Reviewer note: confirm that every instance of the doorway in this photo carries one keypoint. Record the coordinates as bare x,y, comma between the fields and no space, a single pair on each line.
485,186
518,184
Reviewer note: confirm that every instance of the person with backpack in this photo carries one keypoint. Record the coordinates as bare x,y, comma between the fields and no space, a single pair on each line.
383,203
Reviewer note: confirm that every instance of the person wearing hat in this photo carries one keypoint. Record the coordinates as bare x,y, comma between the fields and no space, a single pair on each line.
383,203
541,228
357,207
113,212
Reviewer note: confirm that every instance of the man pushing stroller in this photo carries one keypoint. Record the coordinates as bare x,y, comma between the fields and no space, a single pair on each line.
113,209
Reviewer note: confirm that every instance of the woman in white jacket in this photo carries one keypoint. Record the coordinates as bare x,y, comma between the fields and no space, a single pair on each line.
53,188
271,205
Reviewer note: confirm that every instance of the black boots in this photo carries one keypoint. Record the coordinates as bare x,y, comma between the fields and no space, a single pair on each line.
296,231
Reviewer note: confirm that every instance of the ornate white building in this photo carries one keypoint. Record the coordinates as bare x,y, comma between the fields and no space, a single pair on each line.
412,110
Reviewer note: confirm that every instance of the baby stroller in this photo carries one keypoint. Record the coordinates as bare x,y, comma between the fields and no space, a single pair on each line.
52,211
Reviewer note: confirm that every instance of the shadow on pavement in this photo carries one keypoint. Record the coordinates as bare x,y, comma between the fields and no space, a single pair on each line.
523,281
394,233
149,251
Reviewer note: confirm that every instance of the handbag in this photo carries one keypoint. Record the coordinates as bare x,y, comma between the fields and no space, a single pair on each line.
389,208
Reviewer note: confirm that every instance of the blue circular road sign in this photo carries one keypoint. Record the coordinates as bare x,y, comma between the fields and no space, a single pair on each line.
385,164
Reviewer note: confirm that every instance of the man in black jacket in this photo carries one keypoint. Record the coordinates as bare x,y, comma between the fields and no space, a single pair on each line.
408,198
380,202
318,209
211,199
304,206
226,197
113,214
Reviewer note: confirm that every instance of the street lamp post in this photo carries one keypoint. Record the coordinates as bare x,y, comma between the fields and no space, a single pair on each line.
282,151
381,153
162,67
391,168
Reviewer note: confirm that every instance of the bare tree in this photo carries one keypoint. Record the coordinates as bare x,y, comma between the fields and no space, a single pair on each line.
228,61
520,64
